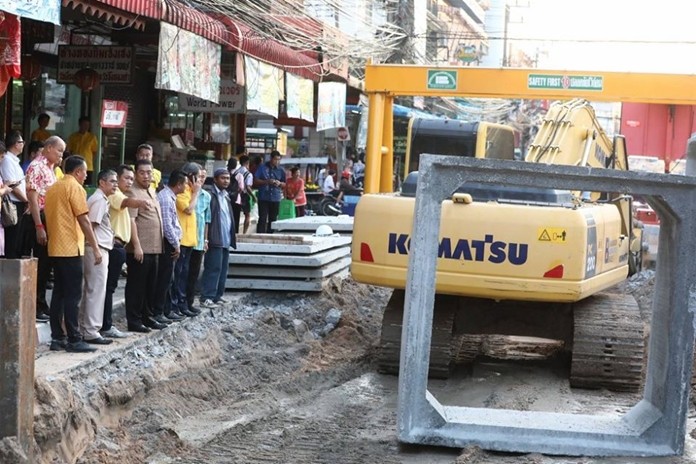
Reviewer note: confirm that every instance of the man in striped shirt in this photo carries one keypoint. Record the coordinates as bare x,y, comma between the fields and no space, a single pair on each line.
172,245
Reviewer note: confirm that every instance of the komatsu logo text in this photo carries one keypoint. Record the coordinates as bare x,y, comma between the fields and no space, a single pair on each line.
488,249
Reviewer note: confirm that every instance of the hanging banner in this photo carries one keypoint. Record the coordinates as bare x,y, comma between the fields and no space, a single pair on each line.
10,44
188,63
114,114
331,106
41,10
299,101
231,100
264,85
113,64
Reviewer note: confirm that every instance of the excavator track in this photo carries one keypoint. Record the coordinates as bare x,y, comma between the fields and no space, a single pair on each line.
608,343
440,345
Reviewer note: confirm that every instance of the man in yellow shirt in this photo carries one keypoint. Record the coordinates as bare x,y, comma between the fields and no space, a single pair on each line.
41,134
84,144
67,226
186,213
121,225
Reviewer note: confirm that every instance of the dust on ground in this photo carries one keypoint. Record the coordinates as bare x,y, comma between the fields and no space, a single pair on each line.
283,378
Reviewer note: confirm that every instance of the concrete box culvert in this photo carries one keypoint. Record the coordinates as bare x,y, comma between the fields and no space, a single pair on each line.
655,426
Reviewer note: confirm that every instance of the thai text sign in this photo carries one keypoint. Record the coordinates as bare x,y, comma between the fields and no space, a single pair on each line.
232,100
564,82
114,64
114,114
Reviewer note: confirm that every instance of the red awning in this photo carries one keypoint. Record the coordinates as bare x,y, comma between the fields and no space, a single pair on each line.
148,8
244,39
221,29
195,21
103,10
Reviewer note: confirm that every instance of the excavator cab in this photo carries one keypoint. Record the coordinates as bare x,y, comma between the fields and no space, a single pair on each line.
458,138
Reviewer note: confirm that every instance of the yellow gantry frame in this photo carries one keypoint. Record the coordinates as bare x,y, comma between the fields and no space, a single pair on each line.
383,82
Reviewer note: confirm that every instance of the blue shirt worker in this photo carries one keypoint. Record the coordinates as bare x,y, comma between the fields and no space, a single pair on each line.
221,236
270,180
163,313
202,221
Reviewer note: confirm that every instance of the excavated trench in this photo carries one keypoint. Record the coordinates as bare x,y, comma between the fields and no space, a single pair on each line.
279,378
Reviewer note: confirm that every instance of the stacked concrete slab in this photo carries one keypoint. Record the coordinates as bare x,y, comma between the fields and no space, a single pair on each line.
342,225
289,262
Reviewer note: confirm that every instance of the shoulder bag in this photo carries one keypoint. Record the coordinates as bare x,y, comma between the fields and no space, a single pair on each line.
8,212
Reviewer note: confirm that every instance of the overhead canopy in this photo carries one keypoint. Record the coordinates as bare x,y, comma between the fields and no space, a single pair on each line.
216,27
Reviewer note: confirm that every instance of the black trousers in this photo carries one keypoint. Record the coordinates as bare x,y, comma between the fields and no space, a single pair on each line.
14,238
268,212
65,301
117,256
28,246
140,288
165,272
194,273
236,214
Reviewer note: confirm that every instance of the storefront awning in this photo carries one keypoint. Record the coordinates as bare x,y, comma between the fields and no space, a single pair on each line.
195,21
219,28
244,39
147,8
107,12
132,13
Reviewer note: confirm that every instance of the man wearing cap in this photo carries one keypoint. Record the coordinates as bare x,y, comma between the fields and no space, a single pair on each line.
221,236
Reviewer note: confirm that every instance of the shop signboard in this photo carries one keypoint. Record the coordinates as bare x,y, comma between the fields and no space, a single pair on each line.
114,64
40,10
188,63
114,114
300,98
264,84
331,106
232,100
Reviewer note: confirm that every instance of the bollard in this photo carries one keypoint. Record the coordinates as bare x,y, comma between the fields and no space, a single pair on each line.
17,351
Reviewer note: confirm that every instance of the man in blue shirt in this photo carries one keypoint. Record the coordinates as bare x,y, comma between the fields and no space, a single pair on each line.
270,180
221,237
172,247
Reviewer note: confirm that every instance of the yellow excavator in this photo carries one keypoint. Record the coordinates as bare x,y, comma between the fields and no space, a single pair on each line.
528,263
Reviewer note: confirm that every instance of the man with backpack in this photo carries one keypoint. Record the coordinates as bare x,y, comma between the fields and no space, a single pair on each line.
237,189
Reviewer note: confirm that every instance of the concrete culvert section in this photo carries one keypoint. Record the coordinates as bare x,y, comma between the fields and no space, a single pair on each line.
281,378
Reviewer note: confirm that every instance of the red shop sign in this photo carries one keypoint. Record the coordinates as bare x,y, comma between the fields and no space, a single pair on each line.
114,114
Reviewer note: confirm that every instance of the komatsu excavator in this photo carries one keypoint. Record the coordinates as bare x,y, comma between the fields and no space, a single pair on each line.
520,262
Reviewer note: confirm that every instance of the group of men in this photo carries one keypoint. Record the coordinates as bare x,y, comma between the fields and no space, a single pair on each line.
164,237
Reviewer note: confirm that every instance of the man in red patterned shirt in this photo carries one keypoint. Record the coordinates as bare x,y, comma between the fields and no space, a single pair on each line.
40,176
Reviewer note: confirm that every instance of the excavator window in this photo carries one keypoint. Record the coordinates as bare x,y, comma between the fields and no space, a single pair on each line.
458,138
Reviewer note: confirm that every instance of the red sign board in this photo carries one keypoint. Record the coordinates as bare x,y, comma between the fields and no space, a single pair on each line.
114,114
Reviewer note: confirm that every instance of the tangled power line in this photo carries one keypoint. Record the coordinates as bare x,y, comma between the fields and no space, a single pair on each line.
313,25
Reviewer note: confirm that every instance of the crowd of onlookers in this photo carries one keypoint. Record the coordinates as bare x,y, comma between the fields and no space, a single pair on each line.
174,237
165,232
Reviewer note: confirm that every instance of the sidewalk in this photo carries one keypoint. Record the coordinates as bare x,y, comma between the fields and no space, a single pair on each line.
43,329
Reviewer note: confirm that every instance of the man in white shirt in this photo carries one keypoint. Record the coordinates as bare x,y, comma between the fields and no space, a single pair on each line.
329,185
12,175
95,275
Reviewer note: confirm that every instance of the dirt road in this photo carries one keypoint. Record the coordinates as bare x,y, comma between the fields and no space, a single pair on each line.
283,379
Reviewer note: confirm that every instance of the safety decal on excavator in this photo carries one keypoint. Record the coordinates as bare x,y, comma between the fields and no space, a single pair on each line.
591,261
565,82
552,234
488,249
